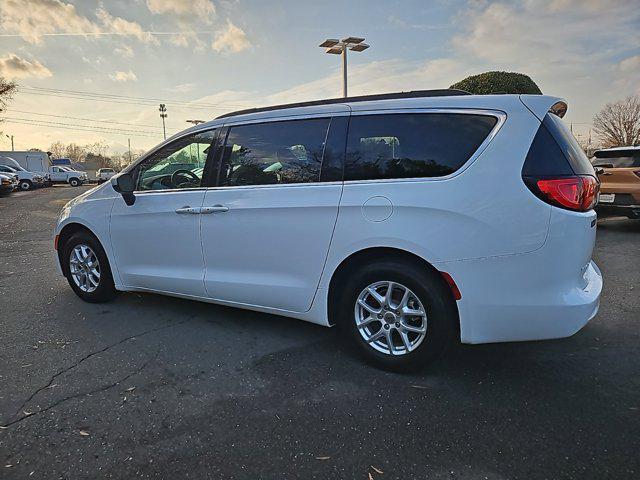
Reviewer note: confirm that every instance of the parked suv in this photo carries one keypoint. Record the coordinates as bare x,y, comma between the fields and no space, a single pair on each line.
409,220
61,174
620,176
26,180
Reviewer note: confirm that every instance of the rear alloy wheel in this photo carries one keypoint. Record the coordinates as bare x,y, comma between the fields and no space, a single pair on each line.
25,185
400,315
87,269
74,182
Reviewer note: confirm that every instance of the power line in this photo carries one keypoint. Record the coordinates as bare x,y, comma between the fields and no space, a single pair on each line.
77,125
83,119
132,98
76,128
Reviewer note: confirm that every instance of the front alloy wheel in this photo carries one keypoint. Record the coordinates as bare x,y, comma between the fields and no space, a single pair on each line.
390,318
84,268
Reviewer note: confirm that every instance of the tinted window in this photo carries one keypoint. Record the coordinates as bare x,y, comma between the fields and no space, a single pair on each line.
617,158
412,145
272,153
568,144
177,165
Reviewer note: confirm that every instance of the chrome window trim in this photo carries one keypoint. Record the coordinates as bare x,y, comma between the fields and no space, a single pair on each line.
500,115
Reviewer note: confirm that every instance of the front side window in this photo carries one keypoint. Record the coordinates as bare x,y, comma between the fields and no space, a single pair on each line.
177,165
274,153
410,145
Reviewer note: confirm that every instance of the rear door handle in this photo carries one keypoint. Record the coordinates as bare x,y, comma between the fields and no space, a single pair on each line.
214,209
188,210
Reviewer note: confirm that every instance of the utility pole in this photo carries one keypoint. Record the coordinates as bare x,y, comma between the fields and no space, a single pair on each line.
340,47
10,137
130,160
163,115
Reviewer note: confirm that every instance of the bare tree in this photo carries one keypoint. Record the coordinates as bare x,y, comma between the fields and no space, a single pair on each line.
7,90
58,149
76,153
618,124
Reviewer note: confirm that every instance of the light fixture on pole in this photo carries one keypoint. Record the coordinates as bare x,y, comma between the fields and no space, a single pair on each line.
340,47
163,115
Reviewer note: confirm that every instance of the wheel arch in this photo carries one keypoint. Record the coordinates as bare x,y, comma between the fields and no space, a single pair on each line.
361,257
67,232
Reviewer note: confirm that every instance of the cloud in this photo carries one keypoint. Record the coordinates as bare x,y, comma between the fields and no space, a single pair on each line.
125,51
631,64
12,66
231,40
182,88
125,27
124,77
36,17
42,16
203,10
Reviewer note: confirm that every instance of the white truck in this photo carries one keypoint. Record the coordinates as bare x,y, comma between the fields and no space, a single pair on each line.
104,174
26,180
64,174
35,163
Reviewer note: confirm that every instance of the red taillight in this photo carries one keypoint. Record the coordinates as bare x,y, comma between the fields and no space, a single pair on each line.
575,193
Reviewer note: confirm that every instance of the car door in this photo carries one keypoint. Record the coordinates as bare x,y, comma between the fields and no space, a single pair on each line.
156,241
268,223
58,174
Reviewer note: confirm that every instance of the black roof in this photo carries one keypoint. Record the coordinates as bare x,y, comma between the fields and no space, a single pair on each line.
360,98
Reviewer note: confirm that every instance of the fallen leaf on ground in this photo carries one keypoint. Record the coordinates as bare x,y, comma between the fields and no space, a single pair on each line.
420,386
323,458
377,470
130,389
84,433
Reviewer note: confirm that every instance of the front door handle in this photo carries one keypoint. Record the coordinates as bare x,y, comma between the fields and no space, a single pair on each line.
214,209
188,210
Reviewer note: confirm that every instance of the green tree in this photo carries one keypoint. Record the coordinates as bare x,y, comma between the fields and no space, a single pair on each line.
498,82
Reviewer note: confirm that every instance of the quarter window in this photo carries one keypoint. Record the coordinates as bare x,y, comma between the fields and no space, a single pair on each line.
413,144
177,165
272,153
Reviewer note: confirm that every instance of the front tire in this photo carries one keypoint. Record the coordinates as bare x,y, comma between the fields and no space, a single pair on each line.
399,315
87,269
74,182
25,185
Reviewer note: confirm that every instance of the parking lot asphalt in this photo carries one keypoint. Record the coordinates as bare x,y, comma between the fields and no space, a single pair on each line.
155,387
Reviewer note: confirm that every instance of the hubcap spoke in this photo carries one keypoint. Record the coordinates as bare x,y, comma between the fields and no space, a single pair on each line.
369,308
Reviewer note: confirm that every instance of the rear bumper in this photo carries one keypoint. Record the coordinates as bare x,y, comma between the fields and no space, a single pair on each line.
631,211
549,293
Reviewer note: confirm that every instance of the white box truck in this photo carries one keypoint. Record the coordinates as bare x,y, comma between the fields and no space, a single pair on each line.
32,161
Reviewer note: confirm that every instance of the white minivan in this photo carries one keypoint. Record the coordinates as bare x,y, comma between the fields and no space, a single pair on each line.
410,220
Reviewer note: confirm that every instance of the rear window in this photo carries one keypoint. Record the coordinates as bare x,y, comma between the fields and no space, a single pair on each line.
413,144
617,158
568,144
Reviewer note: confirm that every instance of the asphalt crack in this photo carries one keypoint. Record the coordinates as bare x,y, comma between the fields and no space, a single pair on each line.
78,363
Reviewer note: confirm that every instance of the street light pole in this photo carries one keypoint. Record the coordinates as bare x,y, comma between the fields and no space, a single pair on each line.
340,47
11,138
163,115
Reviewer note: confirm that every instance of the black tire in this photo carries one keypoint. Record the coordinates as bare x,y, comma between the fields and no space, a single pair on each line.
25,185
74,182
105,290
430,289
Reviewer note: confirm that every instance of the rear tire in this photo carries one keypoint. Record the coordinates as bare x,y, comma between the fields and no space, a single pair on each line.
25,185
74,182
426,292
73,258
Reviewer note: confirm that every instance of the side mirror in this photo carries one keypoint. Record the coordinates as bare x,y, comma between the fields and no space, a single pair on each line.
125,185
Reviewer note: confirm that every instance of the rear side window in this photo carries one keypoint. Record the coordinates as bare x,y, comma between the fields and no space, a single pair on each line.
555,152
410,145
272,153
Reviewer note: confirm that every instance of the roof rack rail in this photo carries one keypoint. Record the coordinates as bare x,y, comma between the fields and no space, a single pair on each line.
360,98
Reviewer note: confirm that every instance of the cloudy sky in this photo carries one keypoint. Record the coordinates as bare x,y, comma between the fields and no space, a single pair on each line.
96,70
